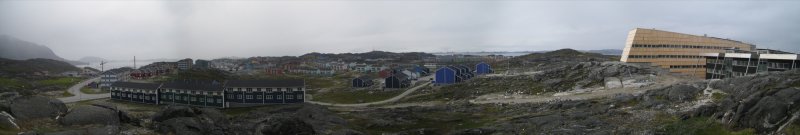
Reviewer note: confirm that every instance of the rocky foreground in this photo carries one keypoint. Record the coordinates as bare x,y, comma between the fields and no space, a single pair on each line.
760,104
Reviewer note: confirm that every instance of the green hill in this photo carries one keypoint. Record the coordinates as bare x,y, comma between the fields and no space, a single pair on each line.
10,66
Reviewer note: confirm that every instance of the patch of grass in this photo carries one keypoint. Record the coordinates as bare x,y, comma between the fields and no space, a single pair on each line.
88,90
66,94
13,83
701,126
477,87
8,131
716,96
441,122
792,129
61,81
354,96
795,84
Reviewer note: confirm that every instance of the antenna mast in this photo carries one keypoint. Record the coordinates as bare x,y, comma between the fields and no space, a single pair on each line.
101,66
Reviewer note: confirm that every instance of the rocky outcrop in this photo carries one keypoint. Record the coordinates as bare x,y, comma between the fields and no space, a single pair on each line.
184,120
678,93
88,114
33,107
290,119
106,130
563,77
764,102
7,121
284,124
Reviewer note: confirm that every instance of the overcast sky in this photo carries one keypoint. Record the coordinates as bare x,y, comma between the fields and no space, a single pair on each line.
212,29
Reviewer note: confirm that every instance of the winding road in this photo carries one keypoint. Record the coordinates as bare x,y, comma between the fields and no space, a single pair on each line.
80,96
425,81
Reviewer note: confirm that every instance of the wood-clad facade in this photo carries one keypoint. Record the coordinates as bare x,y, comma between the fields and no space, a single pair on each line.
677,52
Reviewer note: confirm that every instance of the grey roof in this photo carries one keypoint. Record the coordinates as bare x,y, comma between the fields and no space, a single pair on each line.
265,83
365,78
194,85
400,76
115,71
149,86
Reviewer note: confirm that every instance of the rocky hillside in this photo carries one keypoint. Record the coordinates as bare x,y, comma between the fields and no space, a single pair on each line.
764,102
559,78
16,49
563,56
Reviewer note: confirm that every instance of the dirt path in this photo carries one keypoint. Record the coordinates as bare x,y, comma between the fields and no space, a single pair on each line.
663,81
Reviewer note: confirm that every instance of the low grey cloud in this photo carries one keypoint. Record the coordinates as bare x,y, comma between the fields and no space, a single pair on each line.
211,29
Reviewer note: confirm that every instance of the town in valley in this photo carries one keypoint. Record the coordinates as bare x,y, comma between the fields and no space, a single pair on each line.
398,67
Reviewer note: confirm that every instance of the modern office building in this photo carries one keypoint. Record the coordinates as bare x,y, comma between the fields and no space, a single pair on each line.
734,63
678,52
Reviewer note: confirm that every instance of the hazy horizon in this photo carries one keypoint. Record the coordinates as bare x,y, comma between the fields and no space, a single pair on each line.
213,29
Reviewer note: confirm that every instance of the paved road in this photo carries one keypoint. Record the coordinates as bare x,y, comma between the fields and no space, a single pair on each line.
425,82
80,96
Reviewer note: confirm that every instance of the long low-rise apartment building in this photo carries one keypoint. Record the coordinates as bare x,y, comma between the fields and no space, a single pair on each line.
231,93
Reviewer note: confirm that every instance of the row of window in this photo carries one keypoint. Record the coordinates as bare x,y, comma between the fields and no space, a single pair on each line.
664,56
239,96
134,96
780,65
264,89
680,46
133,90
687,66
188,98
753,63
191,92
744,63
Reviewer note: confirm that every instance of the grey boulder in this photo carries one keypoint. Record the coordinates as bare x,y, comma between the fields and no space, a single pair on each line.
88,114
7,121
33,107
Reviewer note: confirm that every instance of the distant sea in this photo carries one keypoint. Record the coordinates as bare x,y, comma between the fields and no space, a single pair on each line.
119,64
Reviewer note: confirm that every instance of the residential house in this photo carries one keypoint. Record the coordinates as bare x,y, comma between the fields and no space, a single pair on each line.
362,81
483,68
109,77
413,75
398,80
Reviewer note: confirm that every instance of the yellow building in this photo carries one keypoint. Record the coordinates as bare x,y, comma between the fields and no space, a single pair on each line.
678,52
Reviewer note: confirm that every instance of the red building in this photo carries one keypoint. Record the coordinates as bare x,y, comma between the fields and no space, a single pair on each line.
274,71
